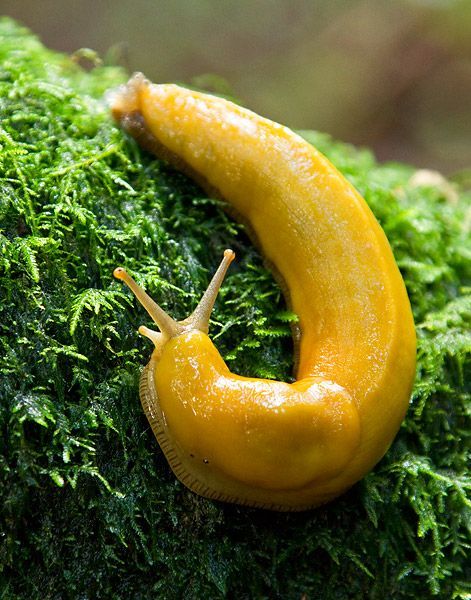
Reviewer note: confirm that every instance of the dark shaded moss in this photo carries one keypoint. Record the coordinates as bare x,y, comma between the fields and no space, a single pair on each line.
89,507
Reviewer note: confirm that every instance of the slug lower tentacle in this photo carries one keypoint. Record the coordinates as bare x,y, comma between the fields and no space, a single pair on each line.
260,442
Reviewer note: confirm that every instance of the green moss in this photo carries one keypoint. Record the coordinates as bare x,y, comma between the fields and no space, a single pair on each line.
89,507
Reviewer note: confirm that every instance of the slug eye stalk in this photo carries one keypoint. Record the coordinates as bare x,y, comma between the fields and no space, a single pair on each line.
198,320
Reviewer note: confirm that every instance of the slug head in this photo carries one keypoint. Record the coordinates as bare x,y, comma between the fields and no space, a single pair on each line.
169,328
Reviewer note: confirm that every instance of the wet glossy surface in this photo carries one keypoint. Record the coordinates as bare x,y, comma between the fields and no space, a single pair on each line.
268,440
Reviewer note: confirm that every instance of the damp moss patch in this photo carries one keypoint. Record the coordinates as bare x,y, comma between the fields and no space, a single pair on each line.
88,505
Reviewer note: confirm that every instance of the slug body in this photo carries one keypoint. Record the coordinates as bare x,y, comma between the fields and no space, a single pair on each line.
253,441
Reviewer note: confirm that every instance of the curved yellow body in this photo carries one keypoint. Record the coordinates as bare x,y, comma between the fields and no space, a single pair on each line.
267,443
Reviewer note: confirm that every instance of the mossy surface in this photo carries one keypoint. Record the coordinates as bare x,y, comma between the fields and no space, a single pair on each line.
88,505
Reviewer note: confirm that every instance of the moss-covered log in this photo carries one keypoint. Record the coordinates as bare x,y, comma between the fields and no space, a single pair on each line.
89,507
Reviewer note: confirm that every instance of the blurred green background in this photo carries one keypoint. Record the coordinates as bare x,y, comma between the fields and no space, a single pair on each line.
392,75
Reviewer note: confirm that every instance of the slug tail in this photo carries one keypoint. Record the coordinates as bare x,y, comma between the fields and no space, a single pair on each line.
127,98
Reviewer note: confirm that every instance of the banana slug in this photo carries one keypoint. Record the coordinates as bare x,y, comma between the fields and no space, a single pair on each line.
258,442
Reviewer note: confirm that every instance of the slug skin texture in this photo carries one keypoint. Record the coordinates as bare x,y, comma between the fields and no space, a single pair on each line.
253,441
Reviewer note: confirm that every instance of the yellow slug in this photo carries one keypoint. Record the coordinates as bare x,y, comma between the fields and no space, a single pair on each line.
253,441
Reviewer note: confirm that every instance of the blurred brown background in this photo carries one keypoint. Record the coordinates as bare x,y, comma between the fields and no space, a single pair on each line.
394,75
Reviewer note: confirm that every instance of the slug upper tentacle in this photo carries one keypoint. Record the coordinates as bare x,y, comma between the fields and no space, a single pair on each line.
260,442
